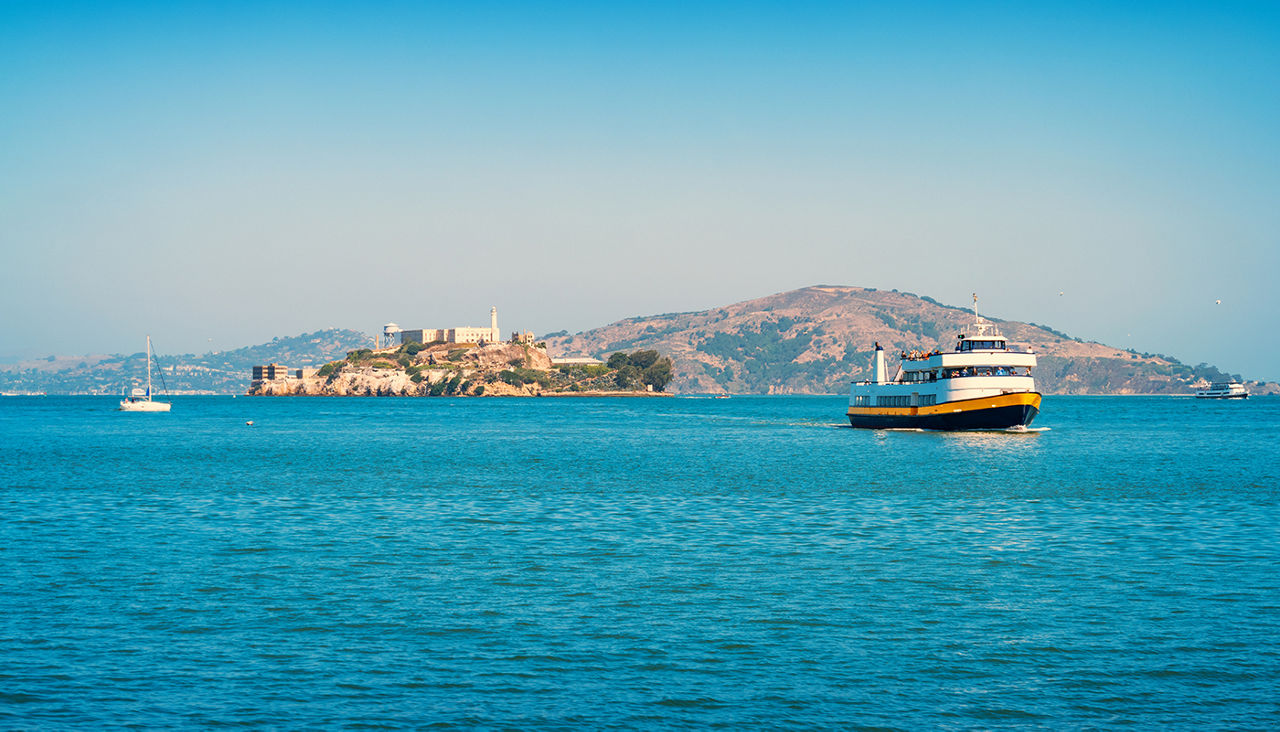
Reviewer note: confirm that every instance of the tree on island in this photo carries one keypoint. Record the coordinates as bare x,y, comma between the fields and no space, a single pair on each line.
641,367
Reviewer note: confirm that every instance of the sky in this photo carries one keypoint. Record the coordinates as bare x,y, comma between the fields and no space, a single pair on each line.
217,174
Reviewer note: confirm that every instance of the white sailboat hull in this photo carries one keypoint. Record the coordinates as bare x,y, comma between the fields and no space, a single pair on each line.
144,405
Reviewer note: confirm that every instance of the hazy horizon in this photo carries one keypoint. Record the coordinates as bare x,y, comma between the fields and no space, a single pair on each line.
217,176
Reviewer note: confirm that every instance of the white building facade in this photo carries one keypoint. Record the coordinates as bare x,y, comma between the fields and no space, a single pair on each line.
456,335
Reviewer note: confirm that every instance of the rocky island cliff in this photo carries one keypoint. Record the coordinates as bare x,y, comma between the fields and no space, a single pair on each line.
451,369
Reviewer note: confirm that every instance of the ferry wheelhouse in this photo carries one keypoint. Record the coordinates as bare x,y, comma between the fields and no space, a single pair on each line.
985,383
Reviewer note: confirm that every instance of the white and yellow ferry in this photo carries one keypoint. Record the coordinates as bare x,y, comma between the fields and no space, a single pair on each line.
985,383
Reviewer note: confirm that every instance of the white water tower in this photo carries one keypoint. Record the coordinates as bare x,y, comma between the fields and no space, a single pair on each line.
390,332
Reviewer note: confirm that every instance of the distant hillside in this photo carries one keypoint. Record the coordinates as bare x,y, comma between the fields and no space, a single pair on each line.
817,339
225,372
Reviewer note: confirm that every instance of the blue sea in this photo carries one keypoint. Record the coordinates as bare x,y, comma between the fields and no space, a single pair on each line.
636,564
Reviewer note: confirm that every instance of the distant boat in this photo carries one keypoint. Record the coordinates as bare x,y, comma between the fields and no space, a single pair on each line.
1223,390
140,400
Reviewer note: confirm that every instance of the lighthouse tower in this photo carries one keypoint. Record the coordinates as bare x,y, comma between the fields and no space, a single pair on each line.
494,335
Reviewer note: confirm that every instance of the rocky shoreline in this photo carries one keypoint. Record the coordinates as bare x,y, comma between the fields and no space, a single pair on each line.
439,369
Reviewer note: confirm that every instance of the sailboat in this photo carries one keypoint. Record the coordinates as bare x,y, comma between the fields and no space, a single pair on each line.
139,400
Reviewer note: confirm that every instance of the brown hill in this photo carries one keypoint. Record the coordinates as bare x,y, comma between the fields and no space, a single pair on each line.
817,339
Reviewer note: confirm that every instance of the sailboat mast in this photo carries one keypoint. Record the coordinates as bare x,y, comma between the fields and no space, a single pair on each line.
148,368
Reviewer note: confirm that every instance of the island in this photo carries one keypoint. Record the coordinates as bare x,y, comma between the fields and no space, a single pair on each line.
516,368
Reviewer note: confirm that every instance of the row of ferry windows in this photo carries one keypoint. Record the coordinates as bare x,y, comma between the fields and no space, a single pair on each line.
924,400
934,375
979,345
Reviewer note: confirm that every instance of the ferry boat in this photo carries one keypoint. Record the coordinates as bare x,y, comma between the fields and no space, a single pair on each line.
1223,390
985,383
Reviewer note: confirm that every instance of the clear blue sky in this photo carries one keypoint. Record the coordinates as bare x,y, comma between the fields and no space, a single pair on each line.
217,174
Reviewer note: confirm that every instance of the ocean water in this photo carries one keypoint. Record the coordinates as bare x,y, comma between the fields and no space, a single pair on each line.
636,563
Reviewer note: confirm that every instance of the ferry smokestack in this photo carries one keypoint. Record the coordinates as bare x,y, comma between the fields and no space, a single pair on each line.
880,376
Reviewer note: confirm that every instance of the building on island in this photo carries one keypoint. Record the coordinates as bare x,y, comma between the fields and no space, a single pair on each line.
451,335
270,372
524,339
273,371
576,361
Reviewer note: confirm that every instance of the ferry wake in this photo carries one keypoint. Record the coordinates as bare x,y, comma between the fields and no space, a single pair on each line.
984,384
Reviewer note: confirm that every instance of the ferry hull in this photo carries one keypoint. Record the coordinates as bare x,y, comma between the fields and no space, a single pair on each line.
984,413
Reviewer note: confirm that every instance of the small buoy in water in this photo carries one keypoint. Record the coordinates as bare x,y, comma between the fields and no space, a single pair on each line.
250,423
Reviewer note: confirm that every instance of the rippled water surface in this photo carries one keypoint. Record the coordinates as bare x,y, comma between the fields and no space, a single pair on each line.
636,563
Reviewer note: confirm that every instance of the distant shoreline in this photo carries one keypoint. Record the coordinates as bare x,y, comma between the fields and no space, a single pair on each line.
606,394
692,395
641,394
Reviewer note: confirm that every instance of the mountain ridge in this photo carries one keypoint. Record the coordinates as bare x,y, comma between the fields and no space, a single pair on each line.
813,340
816,339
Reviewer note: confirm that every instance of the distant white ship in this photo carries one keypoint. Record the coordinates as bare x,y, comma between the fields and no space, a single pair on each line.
1223,390
140,400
